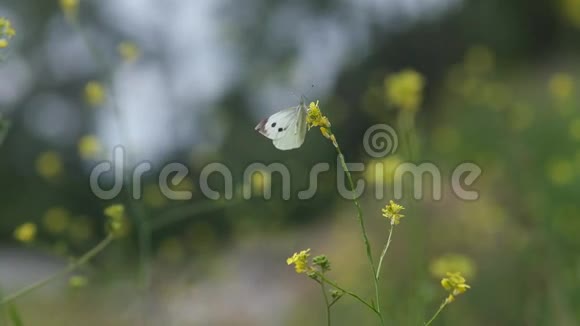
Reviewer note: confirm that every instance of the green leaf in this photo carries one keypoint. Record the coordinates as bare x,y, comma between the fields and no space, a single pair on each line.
14,316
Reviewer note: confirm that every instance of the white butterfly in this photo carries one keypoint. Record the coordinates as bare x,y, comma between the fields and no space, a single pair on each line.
286,128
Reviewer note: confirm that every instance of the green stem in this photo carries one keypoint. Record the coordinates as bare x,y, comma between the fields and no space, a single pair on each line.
323,289
363,229
338,287
378,274
443,305
71,267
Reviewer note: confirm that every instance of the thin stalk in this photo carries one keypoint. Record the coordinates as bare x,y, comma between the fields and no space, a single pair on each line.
363,230
71,267
323,289
378,274
443,305
338,287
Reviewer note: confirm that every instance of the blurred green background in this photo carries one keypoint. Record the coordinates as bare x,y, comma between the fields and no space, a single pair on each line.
191,79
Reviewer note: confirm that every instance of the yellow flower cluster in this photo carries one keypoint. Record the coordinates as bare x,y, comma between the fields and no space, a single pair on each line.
94,93
116,216
455,284
300,261
7,32
315,118
26,232
391,211
405,89
49,165
129,51
89,147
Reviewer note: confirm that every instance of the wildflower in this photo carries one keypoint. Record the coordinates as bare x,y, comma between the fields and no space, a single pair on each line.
94,93
128,51
89,147
300,261
405,89
391,211
116,216
56,220
561,86
70,8
77,281
322,262
455,284
49,164
315,117
26,232
7,32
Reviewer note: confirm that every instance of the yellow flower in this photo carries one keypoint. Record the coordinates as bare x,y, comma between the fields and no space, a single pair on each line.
77,281
89,147
455,284
391,211
300,261
26,232
56,219
128,51
70,8
405,89
3,43
315,117
561,86
116,217
6,32
49,164
94,93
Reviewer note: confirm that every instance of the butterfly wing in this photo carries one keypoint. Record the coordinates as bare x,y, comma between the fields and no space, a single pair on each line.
277,125
294,138
286,128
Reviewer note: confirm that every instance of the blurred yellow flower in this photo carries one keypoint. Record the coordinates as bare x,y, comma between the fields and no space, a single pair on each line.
26,232
571,11
479,59
260,180
455,284
405,89
561,86
560,172
95,93
6,32
78,281
116,220
49,164
300,261
391,212
89,147
56,220
452,262
70,8
129,51
575,129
